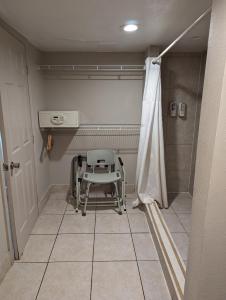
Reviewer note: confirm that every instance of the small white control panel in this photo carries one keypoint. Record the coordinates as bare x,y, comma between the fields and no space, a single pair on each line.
182,110
59,119
177,109
173,109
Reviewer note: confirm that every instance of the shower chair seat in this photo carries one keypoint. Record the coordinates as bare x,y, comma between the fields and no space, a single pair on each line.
102,178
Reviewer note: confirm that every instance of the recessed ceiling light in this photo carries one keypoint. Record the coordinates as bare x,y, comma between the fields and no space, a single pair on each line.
130,27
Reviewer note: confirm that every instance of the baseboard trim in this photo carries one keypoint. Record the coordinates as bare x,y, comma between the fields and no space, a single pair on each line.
171,261
59,188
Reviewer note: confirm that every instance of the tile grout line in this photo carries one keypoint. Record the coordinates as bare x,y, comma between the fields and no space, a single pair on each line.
135,254
176,213
185,231
91,283
82,233
87,261
56,236
50,254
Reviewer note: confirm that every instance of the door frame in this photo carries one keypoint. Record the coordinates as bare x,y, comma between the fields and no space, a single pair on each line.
11,226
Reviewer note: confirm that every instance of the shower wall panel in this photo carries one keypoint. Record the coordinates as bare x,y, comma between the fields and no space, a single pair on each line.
182,80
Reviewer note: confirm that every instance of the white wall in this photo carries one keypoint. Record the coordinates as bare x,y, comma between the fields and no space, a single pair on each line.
98,101
102,101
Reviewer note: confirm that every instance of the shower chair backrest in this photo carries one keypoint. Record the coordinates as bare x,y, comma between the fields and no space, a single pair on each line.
100,158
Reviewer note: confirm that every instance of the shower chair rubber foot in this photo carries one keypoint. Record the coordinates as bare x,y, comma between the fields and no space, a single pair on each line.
83,214
120,212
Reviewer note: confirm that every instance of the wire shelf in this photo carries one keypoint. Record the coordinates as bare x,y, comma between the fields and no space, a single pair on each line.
101,130
92,68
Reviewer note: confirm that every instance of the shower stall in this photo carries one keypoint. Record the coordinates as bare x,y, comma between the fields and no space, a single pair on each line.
170,165
182,83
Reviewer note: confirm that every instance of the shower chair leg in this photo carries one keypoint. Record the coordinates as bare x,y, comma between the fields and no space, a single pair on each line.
118,198
77,196
86,199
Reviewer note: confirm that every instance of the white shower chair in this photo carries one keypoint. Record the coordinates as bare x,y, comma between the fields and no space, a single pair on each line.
100,167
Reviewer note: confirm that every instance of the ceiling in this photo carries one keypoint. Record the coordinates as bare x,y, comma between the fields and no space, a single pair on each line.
95,25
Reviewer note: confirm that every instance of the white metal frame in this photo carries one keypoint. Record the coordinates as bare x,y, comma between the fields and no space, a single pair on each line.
93,68
78,180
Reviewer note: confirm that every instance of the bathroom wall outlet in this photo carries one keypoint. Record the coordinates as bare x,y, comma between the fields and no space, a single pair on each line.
173,109
182,110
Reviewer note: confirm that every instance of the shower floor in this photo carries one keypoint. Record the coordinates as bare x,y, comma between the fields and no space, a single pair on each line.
178,219
100,256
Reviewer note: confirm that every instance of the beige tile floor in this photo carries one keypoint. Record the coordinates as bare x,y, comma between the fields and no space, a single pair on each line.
103,256
178,219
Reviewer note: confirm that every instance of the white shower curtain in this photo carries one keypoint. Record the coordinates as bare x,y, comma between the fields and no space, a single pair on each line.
150,175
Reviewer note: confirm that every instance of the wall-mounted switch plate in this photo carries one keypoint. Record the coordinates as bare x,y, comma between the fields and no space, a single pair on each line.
182,110
173,109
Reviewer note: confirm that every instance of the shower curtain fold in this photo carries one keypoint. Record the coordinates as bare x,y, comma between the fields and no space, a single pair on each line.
150,174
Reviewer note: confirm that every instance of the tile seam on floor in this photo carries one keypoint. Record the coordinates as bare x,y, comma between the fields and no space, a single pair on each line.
128,233
136,256
71,261
185,212
50,255
172,231
138,232
51,214
129,213
30,262
94,233
42,234
185,231
171,206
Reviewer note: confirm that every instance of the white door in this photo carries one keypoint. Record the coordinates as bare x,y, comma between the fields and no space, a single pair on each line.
17,138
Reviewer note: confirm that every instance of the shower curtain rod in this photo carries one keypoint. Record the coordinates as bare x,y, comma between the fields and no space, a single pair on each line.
206,12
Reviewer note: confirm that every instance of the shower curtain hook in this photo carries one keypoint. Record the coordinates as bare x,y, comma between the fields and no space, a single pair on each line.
156,62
